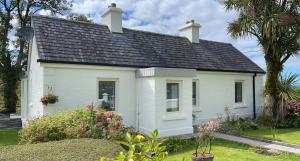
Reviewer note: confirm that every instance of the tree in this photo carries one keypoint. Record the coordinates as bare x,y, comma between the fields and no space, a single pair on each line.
12,63
276,26
80,18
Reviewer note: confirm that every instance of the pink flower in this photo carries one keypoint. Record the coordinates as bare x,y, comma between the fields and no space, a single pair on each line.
109,115
99,113
99,124
88,106
108,119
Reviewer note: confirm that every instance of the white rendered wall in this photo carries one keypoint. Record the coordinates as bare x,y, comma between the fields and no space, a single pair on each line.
35,84
77,85
217,91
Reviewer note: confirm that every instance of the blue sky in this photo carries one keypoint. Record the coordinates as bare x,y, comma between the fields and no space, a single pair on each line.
166,16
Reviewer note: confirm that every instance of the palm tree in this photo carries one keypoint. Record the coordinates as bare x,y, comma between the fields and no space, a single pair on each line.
276,26
287,91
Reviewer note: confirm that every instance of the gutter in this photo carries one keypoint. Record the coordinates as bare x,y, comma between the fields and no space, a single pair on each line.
254,99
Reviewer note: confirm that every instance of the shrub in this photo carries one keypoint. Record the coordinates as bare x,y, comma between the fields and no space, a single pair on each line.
238,126
79,123
142,148
291,120
177,144
265,120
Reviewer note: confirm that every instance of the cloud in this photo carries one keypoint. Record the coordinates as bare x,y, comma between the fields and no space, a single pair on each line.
166,16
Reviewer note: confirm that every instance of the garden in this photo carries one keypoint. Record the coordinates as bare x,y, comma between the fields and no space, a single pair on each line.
94,134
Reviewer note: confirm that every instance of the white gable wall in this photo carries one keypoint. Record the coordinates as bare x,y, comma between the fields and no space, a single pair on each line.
35,85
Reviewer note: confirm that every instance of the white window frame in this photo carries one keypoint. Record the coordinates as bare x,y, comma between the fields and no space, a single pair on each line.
116,80
197,106
179,96
240,104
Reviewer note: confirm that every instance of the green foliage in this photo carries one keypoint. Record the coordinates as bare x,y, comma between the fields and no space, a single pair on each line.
291,120
73,124
80,18
276,26
65,150
265,121
142,148
13,62
177,144
238,126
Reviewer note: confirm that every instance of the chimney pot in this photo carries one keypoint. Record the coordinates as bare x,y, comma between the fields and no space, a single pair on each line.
113,5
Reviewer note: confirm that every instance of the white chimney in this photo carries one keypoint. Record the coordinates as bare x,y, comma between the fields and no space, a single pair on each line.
191,31
112,17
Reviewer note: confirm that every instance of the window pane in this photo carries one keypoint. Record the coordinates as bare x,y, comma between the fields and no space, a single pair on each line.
194,93
172,97
107,93
238,92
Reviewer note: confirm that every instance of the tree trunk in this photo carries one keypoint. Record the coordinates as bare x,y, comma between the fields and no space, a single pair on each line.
271,87
10,86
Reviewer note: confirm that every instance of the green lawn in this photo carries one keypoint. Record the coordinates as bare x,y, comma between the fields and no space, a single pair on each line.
285,135
65,150
8,136
230,151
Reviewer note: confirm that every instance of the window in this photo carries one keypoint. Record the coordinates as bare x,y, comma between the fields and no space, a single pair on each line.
238,92
195,93
172,97
107,94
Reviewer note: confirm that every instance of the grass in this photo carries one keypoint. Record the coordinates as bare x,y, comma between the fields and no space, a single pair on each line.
76,149
285,135
230,151
8,136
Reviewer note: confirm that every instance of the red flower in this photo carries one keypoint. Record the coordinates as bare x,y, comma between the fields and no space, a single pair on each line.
88,106
99,113
108,119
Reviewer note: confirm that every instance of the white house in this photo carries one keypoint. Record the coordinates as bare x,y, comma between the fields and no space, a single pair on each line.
155,81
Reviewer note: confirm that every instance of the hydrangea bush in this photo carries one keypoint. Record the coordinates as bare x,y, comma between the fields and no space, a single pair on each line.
80,123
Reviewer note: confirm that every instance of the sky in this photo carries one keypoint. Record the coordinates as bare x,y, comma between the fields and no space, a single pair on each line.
166,16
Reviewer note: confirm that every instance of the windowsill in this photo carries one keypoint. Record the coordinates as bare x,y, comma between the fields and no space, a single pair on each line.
169,116
196,109
240,105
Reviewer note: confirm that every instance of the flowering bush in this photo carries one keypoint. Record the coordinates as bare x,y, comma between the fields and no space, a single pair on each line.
205,138
80,123
295,106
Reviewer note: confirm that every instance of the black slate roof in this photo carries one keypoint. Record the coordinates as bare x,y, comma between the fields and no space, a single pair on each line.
65,41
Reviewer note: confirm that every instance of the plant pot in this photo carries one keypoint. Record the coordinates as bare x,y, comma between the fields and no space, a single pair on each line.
202,157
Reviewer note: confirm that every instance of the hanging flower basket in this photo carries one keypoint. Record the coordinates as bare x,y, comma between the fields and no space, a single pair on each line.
49,99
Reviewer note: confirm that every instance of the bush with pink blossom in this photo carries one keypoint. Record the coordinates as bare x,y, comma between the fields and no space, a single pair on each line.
79,123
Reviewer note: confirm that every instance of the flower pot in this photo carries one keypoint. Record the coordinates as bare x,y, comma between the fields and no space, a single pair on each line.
202,157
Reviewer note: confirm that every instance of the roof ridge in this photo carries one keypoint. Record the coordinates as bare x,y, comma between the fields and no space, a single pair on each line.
64,19
152,32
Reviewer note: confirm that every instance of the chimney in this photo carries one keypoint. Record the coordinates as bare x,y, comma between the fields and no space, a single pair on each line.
191,31
112,17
